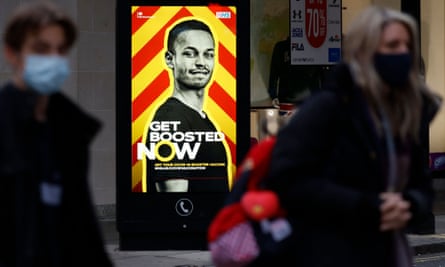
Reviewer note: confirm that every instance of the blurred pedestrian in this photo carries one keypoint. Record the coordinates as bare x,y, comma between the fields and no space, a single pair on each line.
351,167
48,218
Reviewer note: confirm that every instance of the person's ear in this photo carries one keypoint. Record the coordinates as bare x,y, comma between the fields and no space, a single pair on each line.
169,59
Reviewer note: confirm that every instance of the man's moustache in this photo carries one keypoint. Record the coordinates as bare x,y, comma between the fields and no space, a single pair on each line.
200,71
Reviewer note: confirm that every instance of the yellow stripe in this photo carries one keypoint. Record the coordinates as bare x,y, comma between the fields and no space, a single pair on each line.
225,124
229,169
137,169
152,26
141,123
233,172
226,81
147,75
220,118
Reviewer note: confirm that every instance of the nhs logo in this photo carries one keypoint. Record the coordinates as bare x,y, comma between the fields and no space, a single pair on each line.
223,14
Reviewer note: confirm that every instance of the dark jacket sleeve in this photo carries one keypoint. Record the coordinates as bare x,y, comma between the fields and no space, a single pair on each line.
74,118
299,169
419,191
75,130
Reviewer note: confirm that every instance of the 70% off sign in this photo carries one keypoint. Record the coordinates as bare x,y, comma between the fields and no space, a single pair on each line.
316,22
315,32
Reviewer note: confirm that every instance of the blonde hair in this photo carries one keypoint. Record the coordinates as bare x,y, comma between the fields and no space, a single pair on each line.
361,42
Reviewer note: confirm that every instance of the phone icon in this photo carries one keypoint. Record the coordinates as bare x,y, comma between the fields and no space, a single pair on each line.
184,207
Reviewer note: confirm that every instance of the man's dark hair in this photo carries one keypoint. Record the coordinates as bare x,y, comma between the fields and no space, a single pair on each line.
185,26
30,18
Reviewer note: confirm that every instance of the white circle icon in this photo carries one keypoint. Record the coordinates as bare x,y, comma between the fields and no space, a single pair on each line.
184,207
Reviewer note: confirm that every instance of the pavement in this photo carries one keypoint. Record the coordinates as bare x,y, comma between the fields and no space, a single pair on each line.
422,244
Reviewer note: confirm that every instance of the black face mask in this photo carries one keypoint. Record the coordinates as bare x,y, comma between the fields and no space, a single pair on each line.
394,69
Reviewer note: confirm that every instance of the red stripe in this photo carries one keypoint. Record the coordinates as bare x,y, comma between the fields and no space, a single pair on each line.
229,22
227,60
146,54
138,187
134,152
155,45
136,22
228,104
150,93
224,100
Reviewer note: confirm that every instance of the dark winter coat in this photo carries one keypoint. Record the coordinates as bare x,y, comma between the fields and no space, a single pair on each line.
328,168
27,224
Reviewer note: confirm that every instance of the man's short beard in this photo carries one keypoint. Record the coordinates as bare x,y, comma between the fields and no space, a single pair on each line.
191,87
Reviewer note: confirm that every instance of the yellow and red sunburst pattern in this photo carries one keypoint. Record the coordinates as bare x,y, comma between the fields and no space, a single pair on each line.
151,81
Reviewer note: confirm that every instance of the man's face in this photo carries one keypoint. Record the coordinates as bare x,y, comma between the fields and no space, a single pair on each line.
49,40
192,60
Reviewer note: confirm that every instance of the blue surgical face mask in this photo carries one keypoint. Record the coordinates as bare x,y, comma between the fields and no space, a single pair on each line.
394,69
45,74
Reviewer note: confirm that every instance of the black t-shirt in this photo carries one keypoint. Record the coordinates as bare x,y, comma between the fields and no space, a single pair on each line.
192,149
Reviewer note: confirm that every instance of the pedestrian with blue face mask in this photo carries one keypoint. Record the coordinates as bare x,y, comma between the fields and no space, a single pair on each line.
45,73
47,212
351,166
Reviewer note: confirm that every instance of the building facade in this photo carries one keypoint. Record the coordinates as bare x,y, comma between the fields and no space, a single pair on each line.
93,79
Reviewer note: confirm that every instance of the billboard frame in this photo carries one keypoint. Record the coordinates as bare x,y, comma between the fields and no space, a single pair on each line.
148,221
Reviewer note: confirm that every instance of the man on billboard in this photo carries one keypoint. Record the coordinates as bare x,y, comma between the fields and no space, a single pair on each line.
189,154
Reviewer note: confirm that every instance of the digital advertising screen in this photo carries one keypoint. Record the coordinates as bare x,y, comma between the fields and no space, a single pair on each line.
183,98
182,117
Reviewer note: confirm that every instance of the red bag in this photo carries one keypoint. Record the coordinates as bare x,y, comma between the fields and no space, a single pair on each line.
251,225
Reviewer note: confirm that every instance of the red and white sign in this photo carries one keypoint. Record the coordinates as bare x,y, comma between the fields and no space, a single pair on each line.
316,22
315,32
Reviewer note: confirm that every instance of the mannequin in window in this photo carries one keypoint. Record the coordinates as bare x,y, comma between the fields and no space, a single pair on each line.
290,83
